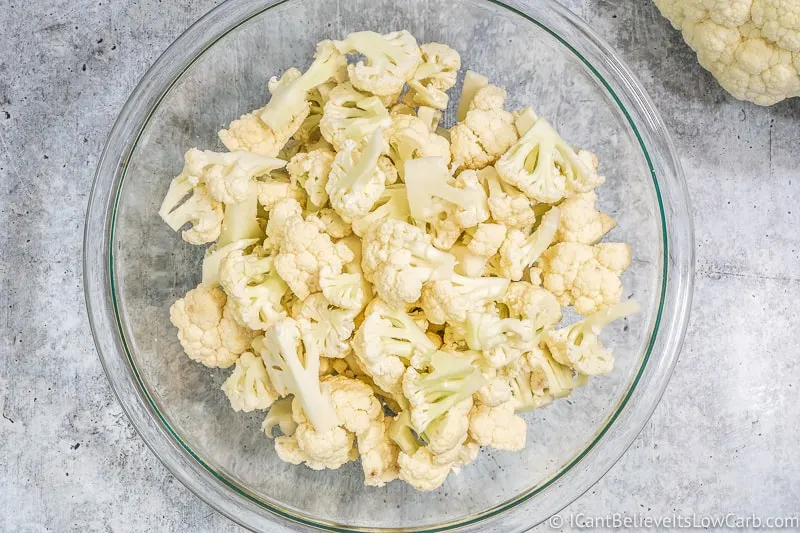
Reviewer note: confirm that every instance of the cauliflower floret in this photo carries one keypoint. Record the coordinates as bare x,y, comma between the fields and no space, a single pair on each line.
319,450
452,299
488,98
398,259
280,213
293,368
487,239
485,331
331,328
250,133
275,189
584,276
437,73
526,301
436,382
548,380
581,222
485,134
448,433
409,137
421,471
280,415
578,346
390,60
379,454
352,115
332,222
497,391
228,175
498,427
206,330
385,343
310,170
305,250
350,289
248,387
289,97
201,211
393,204
519,251
508,205
356,181
545,168
355,403
254,288
433,192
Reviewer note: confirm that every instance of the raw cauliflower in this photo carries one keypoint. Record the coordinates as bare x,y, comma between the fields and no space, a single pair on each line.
305,250
486,132
586,277
498,427
248,388
581,221
206,330
310,171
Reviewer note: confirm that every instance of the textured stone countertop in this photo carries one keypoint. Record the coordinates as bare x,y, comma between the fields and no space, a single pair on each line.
725,438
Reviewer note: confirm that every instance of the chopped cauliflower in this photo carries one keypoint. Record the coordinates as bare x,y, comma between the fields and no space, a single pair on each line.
498,427
248,387
519,251
486,132
206,330
507,204
330,327
356,181
409,137
390,60
586,277
450,300
305,251
350,114
487,239
310,171
379,453
581,222
254,287
421,470
435,74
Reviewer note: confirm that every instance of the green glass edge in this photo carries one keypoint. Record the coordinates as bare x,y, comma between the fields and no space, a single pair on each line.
486,514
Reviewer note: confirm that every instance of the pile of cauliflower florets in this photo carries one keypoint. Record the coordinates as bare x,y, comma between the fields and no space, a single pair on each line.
386,288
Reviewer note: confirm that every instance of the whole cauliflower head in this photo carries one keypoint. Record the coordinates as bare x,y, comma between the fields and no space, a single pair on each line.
206,330
752,47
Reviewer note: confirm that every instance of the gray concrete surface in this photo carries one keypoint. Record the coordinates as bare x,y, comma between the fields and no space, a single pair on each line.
723,440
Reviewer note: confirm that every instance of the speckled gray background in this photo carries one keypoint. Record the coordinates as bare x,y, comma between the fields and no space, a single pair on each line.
725,438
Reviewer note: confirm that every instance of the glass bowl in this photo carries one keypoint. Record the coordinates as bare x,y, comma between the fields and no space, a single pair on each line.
135,267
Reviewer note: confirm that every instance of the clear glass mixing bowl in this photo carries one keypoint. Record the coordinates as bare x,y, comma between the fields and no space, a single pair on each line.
135,267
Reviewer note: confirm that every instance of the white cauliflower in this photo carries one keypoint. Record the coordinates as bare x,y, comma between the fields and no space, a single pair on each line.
276,188
435,74
355,403
349,289
250,133
206,330
450,300
318,450
433,192
507,204
498,427
519,251
393,204
581,222
398,259
331,328
409,137
752,47
253,286
228,175
390,60
248,388
356,181
537,305
333,223
578,346
310,171
556,171
485,133
487,239
384,344
421,471
379,454
445,435
353,115
549,379
584,276
305,250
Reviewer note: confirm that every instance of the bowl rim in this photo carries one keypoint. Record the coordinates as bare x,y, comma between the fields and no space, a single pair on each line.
168,446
